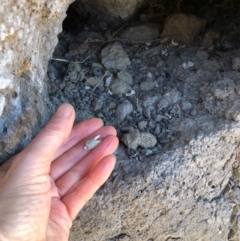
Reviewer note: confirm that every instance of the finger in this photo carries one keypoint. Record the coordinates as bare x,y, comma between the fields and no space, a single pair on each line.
41,150
78,133
5,167
67,160
83,167
78,196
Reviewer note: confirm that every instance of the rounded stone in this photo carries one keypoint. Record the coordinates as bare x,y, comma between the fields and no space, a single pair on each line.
123,110
119,87
236,64
134,139
114,57
147,85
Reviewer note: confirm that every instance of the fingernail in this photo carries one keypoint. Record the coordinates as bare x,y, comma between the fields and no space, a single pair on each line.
64,110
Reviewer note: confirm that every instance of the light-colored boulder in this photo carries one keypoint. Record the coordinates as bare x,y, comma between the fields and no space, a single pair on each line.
183,27
28,34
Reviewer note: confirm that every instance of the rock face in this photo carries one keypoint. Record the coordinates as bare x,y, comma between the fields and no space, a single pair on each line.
167,196
120,8
28,36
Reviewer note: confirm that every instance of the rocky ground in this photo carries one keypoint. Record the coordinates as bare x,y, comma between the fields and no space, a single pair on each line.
167,88
146,84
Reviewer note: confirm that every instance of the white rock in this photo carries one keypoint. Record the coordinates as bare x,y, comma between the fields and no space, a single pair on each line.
149,75
132,92
5,81
187,65
108,80
2,103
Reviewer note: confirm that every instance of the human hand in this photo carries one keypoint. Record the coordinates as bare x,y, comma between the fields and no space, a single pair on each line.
43,188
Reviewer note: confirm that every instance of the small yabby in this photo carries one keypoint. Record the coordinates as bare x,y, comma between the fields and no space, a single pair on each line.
92,143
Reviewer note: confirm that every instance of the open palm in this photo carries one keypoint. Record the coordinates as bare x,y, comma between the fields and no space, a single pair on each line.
43,188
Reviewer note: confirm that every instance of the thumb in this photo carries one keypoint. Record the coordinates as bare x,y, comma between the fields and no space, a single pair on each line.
39,153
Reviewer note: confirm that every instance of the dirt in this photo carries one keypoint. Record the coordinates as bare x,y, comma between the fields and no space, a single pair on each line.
165,90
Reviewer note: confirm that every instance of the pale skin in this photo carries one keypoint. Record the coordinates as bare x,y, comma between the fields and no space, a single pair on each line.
43,188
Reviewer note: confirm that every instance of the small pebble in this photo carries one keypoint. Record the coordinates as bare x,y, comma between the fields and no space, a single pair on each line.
147,85
149,75
112,105
97,104
125,76
123,110
236,64
142,125
119,87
